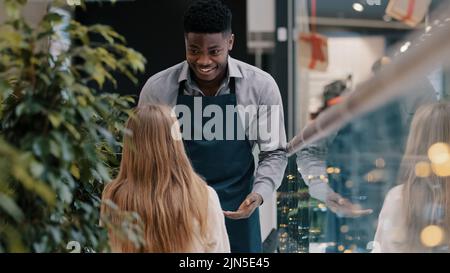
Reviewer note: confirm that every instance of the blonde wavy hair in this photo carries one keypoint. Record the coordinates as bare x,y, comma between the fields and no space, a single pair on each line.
156,181
426,199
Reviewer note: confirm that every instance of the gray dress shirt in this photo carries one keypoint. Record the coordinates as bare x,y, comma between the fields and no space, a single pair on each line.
254,88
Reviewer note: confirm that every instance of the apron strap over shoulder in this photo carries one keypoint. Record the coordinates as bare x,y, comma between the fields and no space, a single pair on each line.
181,88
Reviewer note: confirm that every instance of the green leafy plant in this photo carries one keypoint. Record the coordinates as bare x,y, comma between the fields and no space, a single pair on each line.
58,133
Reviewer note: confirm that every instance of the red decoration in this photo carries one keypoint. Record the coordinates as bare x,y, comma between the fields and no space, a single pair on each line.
316,48
411,5
410,12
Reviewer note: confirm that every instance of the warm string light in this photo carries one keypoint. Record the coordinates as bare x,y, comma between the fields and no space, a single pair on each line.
432,236
423,169
333,170
375,176
439,155
349,184
344,229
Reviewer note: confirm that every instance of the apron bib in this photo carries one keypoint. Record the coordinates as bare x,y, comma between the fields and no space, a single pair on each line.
227,166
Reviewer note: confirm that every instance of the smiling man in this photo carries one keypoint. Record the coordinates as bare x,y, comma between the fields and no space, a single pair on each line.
210,78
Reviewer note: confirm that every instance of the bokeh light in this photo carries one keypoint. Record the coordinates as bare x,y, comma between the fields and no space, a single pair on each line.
439,153
344,229
432,236
423,169
442,170
380,163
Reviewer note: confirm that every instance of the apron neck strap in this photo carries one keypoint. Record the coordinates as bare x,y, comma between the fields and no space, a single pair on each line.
231,84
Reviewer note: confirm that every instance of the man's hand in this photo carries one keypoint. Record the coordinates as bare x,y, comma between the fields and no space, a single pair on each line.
247,207
344,208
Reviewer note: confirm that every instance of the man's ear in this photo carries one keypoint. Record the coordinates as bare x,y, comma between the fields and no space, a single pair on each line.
231,42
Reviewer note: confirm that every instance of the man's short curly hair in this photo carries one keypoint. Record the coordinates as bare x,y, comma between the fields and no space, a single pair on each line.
207,16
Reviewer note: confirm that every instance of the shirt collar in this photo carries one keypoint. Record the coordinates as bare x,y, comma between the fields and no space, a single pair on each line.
184,72
233,70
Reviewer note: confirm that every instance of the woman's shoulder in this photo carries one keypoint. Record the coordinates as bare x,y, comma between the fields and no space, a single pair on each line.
393,204
214,207
395,194
212,194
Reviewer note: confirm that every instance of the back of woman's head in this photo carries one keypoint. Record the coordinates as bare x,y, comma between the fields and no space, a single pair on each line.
152,137
156,180
430,125
425,173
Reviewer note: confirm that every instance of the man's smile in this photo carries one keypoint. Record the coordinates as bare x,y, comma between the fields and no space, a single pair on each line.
206,71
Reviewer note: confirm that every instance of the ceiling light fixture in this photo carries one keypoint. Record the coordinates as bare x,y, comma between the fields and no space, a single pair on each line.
358,7
405,47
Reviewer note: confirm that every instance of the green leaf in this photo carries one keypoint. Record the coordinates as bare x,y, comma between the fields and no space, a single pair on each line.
107,33
78,31
103,172
107,58
82,101
107,135
86,113
75,171
13,239
55,119
85,91
67,178
10,207
20,108
10,37
53,17
54,149
13,8
56,234
137,61
68,79
4,86
99,75
65,194
44,78
129,99
36,168
65,147
72,130
41,189
40,147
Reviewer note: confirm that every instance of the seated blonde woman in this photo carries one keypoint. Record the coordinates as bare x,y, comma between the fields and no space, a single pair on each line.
178,211
420,206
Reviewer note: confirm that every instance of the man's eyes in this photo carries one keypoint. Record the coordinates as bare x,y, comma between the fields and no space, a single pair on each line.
211,52
215,52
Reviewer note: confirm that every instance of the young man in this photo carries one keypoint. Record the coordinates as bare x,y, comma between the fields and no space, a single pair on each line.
211,79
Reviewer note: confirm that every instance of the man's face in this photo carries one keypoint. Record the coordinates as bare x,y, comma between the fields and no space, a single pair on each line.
207,54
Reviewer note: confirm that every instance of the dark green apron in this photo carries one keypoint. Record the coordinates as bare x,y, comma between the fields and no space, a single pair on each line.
228,167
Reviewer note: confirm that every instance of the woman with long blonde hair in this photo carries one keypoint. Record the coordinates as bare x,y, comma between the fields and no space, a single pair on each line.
177,210
420,206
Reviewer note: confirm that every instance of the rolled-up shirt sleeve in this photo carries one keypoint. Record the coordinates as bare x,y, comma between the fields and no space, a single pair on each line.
271,141
311,164
311,161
